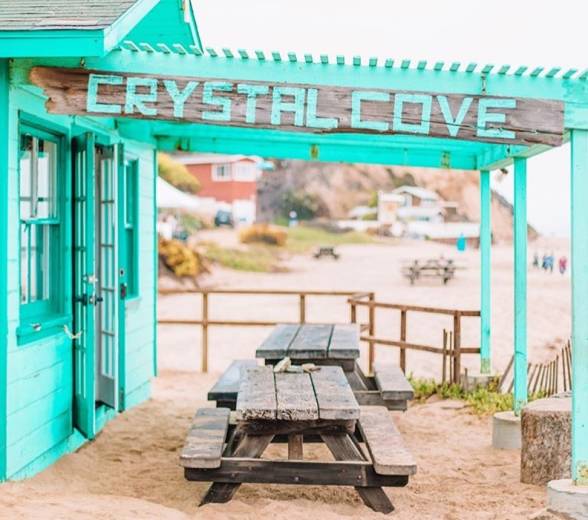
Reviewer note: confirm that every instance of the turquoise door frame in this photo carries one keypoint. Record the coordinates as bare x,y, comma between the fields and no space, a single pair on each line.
84,285
4,140
520,284
485,268
579,257
122,275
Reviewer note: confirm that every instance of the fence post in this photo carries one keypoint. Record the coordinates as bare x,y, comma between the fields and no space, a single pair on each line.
353,310
403,338
302,308
444,369
372,333
204,361
456,346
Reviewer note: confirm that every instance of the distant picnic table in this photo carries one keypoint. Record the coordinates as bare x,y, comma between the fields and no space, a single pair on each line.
332,402
441,268
326,251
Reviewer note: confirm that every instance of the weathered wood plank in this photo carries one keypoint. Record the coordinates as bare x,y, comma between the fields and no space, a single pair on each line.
274,427
334,395
297,472
222,492
343,448
275,346
392,383
205,440
344,341
311,342
342,109
384,442
257,395
227,386
295,446
295,398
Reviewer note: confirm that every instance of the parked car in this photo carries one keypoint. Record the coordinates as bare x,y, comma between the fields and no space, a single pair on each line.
223,218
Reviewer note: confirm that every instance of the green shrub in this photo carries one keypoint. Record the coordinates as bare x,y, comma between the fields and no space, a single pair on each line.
306,205
482,400
264,234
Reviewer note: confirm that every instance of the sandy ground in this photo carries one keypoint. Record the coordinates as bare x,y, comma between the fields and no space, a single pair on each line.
377,268
131,470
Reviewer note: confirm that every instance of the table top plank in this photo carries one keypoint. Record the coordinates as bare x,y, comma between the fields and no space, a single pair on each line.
334,395
344,341
295,398
311,342
257,395
276,345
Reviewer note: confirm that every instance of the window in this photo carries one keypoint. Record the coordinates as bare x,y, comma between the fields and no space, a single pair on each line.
41,254
221,172
245,171
131,226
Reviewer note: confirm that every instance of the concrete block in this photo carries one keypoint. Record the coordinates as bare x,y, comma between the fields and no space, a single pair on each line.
472,380
506,431
566,499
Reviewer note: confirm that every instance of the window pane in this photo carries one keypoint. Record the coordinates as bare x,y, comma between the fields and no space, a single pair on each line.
24,263
46,166
26,147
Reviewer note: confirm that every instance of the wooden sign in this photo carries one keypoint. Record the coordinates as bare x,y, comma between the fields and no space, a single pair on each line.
301,108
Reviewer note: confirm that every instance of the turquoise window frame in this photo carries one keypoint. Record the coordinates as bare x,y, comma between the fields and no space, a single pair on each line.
131,225
42,318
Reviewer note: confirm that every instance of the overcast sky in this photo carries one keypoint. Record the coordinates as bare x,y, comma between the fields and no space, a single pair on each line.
514,32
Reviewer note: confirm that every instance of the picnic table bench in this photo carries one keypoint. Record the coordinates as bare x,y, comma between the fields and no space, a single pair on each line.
368,449
431,268
326,251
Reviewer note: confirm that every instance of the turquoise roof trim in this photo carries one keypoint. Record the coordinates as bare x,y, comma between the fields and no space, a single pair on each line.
169,23
79,37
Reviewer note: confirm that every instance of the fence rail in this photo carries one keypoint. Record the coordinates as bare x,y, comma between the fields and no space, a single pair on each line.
451,346
450,349
205,321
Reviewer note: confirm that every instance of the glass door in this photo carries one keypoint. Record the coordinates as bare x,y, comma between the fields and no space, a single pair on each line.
107,287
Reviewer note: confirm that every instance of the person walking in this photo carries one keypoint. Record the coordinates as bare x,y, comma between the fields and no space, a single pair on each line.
563,265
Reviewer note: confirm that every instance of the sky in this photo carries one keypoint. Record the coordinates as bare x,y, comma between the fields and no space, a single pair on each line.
513,32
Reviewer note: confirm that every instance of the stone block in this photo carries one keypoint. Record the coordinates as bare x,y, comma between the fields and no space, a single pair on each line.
546,440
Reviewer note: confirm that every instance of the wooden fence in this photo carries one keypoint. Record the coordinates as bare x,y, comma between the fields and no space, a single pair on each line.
205,321
450,349
547,378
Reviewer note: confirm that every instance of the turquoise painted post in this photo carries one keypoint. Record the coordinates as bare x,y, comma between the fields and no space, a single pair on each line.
579,196
485,249
4,130
520,284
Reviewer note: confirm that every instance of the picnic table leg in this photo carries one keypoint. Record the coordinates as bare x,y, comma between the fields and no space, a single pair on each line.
251,446
295,446
343,448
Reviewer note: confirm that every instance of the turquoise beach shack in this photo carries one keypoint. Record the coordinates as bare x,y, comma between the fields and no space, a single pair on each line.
77,243
90,89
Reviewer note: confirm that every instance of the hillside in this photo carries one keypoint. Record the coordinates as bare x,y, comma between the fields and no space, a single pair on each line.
339,187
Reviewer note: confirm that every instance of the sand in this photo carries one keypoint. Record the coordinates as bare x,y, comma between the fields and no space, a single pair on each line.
131,470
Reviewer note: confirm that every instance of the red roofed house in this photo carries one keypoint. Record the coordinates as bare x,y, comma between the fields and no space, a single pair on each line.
229,179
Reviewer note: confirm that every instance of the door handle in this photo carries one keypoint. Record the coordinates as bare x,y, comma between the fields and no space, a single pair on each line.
123,290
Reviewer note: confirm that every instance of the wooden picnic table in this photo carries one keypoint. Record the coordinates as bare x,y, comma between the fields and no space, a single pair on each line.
297,405
318,343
